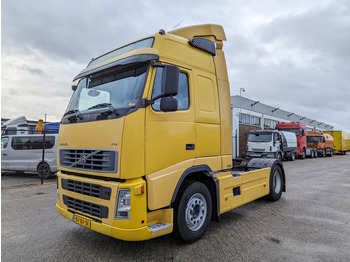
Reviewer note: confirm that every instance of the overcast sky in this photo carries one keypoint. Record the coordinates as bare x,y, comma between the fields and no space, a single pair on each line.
292,54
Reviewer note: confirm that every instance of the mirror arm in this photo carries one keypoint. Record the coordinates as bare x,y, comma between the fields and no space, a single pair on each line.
146,102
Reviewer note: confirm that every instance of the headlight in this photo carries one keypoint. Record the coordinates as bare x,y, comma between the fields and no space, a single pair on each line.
122,210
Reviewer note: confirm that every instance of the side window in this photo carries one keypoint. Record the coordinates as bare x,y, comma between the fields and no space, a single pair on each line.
182,95
4,142
29,143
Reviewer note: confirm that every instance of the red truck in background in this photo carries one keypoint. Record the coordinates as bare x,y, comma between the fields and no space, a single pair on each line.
323,143
300,132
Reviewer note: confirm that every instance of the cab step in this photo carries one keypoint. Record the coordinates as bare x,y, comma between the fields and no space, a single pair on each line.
158,226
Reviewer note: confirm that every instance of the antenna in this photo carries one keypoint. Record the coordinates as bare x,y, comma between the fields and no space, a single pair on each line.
176,25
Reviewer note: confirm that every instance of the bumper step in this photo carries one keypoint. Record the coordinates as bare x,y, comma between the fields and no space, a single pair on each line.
158,226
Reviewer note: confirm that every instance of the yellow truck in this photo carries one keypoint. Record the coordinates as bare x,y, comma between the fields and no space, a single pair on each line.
145,146
341,141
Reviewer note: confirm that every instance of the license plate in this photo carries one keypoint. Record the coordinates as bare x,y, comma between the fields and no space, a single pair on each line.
82,221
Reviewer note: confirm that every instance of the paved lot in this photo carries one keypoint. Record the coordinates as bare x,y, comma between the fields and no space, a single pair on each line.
311,222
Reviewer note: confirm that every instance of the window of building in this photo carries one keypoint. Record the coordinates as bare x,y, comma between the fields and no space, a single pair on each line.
246,119
269,123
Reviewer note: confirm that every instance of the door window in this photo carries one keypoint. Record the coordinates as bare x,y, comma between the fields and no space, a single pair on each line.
182,94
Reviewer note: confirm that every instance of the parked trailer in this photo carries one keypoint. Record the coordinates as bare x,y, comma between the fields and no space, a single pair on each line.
341,141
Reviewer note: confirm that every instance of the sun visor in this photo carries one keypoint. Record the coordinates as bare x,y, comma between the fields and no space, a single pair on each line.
124,61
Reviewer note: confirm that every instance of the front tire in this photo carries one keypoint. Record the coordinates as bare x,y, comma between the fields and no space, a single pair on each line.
276,183
193,212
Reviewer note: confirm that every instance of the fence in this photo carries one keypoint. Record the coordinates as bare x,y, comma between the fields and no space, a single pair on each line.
25,153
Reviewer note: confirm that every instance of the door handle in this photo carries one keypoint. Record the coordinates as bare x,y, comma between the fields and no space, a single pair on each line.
189,146
4,154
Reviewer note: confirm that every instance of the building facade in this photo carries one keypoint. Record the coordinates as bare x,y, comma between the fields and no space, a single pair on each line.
248,114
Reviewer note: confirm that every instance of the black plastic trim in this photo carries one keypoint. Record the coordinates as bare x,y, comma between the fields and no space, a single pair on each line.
203,44
124,61
207,171
258,163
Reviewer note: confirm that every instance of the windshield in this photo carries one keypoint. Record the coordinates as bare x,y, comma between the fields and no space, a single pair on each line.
260,137
291,129
314,139
116,88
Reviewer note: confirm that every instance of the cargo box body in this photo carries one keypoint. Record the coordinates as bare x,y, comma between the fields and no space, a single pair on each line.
341,141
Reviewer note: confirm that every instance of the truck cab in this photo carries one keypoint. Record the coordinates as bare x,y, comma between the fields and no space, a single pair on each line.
271,144
323,143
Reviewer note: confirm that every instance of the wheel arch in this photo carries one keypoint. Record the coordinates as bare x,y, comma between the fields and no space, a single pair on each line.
201,174
258,163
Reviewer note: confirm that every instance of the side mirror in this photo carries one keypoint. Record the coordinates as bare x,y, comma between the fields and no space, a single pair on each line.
170,80
168,104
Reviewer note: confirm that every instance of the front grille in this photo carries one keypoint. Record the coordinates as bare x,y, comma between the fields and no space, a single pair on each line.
89,159
86,207
258,150
88,189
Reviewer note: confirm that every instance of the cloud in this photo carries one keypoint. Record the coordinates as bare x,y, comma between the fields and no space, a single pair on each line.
290,54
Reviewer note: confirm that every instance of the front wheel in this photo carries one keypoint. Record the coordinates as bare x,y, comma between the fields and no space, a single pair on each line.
276,183
324,152
192,212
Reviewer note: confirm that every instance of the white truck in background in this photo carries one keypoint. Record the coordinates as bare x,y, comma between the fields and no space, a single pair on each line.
15,126
272,144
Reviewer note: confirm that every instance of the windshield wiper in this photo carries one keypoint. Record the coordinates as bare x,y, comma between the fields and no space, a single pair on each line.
108,111
71,112
76,113
101,106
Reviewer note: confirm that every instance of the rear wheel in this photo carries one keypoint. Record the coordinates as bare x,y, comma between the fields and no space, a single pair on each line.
192,212
312,154
44,170
276,183
292,157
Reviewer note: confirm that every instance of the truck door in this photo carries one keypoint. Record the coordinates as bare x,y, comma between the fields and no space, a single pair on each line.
170,136
276,142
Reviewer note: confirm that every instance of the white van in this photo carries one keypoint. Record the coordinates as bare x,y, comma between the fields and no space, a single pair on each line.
23,153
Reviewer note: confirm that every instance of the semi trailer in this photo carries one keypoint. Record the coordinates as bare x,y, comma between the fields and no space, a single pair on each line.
145,146
341,141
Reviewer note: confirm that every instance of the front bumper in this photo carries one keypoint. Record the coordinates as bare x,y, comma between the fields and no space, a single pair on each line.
261,154
140,225
127,234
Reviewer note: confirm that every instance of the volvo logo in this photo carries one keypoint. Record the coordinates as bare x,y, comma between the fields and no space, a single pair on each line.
63,144
84,157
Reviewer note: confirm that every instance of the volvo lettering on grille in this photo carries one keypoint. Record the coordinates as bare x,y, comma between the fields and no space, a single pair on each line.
83,158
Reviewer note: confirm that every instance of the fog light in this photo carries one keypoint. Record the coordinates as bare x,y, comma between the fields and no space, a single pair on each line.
122,210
